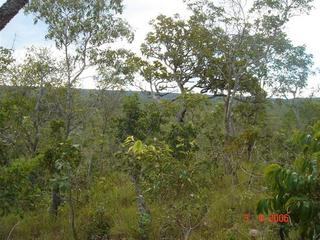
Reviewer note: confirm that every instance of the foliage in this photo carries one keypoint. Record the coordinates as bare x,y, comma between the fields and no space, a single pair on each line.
139,122
98,226
169,45
181,139
6,59
292,68
294,189
20,186
84,23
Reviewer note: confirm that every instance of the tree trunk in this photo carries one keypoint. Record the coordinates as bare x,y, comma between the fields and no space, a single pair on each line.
250,148
9,9
282,233
55,201
228,109
68,110
187,234
68,107
297,115
182,112
227,119
72,215
180,115
142,209
229,131
37,120
227,134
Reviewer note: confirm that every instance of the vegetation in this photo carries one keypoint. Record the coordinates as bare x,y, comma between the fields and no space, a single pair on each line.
201,152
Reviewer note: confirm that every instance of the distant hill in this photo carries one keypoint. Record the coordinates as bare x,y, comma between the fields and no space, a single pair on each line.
144,95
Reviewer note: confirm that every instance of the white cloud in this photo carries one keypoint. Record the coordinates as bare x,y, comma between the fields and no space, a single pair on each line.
140,12
303,30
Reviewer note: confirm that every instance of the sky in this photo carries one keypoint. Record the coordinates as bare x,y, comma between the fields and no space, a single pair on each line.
21,33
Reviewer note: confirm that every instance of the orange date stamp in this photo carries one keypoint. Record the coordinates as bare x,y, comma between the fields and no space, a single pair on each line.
272,218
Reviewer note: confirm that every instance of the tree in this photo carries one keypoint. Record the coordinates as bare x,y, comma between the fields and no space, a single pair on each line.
155,158
39,71
116,68
61,160
50,158
155,166
140,121
6,61
26,102
144,124
79,29
236,53
289,74
169,45
170,62
133,163
104,106
9,9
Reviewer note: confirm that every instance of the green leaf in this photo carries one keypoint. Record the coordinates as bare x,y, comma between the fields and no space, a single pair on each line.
137,148
305,210
271,169
263,206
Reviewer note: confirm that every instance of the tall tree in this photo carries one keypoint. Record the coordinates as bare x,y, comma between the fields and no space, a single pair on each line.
237,54
25,102
79,29
171,63
289,75
38,72
169,45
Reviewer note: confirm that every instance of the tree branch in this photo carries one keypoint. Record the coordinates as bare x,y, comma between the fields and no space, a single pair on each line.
9,9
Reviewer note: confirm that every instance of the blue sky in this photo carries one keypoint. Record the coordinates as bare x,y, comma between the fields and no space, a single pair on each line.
21,32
